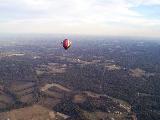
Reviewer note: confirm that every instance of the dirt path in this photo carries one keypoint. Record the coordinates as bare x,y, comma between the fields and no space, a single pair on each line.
47,86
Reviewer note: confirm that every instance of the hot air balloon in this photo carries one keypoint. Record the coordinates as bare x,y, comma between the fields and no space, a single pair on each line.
66,44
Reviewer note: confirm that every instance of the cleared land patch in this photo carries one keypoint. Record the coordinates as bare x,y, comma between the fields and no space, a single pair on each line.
137,72
52,68
35,112
24,91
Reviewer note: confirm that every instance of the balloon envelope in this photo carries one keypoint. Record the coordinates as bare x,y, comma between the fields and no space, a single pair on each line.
66,44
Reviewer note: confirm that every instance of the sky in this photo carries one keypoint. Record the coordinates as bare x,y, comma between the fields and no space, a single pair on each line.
90,17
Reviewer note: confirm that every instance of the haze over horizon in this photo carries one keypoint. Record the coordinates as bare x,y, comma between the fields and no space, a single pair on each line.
93,17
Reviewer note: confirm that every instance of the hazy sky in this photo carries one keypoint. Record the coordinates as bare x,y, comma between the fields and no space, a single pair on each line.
102,17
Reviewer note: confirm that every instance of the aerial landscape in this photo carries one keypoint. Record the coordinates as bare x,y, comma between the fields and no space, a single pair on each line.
112,79
79,59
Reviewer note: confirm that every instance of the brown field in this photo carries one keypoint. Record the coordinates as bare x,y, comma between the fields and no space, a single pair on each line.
19,86
26,91
55,90
137,72
47,86
27,98
35,112
92,94
23,90
53,94
50,102
79,98
6,98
